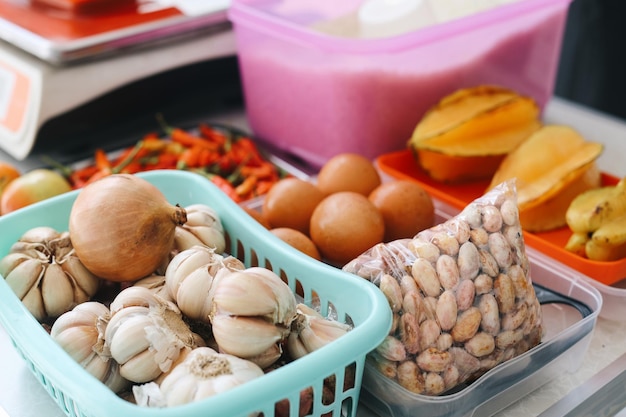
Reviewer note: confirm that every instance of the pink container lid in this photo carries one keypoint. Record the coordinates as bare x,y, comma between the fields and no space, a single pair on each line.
289,19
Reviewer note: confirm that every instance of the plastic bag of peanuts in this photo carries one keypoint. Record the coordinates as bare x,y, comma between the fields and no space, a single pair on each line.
461,296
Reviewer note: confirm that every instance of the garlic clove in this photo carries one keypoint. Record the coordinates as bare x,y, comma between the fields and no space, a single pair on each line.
247,294
134,296
203,227
184,239
78,342
25,276
141,367
308,311
269,357
256,291
202,215
245,337
295,347
320,332
311,331
11,261
126,333
57,292
192,296
85,282
210,236
33,302
156,284
185,262
114,379
40,234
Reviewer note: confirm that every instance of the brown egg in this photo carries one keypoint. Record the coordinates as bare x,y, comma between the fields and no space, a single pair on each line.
344,225
348,172
298,240
290,203
406,207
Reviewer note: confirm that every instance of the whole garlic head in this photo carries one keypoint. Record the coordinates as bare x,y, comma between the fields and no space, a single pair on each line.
80,332
146,334
205,373
252,313
45,273
190,279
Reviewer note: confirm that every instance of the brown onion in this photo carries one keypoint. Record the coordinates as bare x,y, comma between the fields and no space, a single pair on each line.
122,227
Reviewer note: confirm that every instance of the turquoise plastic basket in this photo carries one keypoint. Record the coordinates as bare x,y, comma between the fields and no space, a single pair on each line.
80,394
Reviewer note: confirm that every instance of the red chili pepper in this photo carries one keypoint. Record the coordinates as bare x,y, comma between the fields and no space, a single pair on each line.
226,187
96,176
190,158
167,160
263,187
132,167
207,157
265,170
212,134
185,138
246,187
101,160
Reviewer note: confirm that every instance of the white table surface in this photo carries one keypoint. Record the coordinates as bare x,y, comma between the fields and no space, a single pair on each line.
22,395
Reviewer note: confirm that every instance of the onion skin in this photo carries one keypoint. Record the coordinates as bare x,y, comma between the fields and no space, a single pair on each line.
122,227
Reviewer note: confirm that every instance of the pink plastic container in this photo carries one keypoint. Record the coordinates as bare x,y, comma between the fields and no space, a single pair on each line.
315,94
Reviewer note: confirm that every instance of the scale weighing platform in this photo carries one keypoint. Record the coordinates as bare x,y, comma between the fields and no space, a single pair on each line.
62,72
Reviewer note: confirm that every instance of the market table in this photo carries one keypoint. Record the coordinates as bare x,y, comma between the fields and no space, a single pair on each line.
23,396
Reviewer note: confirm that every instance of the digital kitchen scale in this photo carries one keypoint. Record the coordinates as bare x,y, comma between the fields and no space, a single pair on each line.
44,75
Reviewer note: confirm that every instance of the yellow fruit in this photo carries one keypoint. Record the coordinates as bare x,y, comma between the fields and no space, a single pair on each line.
591,209
551,168
546,162
550,213
577,244
468,133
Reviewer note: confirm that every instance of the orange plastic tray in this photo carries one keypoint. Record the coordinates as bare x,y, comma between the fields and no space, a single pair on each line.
402,165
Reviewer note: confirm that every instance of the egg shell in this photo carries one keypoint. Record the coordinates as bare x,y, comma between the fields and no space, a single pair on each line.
298,240
290,203
344,225
406,208
348,172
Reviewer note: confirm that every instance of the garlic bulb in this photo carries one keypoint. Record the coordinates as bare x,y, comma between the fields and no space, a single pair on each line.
45,273
190,277
310,331
80,332
251,314
146,334
203,227
156,284
205,373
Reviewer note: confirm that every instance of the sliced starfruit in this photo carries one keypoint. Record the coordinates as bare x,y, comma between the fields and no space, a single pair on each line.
547,214
467,134
551,168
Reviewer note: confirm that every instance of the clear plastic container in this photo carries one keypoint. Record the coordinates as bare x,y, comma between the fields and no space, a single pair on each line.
316,93
79,394
568,332
607,277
